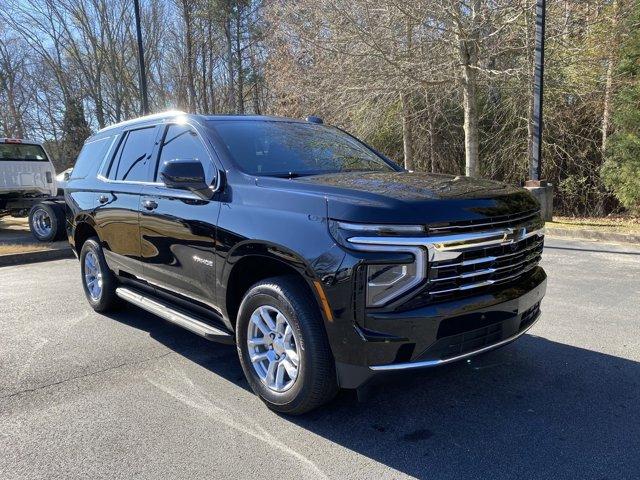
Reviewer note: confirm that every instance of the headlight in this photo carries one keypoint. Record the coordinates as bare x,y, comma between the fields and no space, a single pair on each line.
384,282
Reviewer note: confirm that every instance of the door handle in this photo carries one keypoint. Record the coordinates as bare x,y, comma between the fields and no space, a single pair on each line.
103,199
149,204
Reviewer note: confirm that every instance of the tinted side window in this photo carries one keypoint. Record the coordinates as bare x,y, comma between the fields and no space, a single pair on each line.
181,141
132,160
90,157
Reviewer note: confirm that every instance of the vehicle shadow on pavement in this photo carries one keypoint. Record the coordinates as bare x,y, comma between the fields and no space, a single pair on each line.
533,409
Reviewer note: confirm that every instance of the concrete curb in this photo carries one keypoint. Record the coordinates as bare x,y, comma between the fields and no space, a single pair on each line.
581,234
33,257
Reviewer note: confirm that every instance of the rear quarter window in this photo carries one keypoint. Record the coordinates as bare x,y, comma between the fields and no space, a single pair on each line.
91,157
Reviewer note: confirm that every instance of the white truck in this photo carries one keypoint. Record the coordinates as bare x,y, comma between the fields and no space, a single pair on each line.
28,187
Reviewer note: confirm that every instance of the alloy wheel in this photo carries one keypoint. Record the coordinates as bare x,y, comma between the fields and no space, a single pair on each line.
92,275
273,348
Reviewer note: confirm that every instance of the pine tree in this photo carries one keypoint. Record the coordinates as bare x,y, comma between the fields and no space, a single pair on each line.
76,130
621,171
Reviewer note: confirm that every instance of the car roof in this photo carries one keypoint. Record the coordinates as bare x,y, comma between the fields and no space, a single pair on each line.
19,141
178,113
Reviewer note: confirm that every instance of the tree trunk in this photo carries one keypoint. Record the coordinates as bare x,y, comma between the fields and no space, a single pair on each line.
240,89
606,113
608,90
469,103
407,131
232,88
188,39
256,88
204,77
212,87
18,129
468,53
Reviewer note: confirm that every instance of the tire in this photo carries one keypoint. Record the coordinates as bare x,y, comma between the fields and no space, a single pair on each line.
315,382
47,222
105,299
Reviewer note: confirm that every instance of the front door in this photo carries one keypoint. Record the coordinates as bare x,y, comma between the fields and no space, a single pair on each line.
177,227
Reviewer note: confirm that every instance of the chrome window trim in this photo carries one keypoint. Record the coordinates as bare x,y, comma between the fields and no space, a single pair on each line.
126,182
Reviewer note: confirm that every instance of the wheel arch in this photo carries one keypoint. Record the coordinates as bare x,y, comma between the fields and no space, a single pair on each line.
252,262
84,228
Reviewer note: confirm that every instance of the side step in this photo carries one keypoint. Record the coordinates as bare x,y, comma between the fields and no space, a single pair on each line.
166,312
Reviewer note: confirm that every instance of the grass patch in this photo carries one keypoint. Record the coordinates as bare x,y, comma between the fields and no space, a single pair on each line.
602,224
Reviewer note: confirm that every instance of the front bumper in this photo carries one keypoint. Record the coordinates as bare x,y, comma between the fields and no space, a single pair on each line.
443,333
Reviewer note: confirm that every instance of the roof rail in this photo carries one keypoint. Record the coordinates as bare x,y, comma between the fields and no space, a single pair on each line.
154,116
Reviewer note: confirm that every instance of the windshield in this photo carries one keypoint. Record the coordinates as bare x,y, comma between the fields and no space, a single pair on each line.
293,148
16,152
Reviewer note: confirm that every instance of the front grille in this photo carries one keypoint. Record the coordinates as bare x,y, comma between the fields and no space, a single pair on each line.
466,258
502,221
484,266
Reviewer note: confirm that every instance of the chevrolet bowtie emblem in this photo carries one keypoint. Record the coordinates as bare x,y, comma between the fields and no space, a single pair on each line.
514,235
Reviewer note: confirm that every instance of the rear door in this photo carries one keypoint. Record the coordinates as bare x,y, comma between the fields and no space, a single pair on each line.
177,227
117,199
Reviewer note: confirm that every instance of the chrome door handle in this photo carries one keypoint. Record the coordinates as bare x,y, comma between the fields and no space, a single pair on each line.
149,204
103,199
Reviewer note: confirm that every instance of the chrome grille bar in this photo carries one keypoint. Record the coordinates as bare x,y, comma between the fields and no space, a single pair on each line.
488,259
484,283
497,222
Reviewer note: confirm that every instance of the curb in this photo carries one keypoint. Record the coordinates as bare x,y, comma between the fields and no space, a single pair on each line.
33,257
593,235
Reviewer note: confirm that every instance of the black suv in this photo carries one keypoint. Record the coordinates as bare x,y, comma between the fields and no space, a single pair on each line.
322,260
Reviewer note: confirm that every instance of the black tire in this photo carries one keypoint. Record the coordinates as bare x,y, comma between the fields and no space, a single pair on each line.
53,216
316,381
107,299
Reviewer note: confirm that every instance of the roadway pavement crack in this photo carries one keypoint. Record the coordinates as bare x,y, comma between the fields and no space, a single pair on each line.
90,374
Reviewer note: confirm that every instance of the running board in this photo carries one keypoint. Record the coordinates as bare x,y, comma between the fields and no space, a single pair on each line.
166,312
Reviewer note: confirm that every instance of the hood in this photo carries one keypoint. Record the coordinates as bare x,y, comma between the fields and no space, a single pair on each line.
403,197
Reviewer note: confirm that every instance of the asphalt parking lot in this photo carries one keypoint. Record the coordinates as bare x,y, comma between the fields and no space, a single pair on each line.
84,395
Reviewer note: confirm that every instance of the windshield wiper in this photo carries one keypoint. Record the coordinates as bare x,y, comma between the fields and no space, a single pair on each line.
290,174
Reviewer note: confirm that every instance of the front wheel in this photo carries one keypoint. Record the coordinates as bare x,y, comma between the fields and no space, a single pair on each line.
283,347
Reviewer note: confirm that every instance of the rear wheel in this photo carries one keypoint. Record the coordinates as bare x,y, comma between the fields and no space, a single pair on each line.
47,222
283,347
98,281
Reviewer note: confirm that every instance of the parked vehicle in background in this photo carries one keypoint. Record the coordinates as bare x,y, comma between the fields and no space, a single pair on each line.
323,261
61,181
28,187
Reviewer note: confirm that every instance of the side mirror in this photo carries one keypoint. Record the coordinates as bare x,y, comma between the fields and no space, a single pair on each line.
185,174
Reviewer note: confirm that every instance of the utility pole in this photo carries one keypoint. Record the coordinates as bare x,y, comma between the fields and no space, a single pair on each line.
144,99
535,169
540,189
